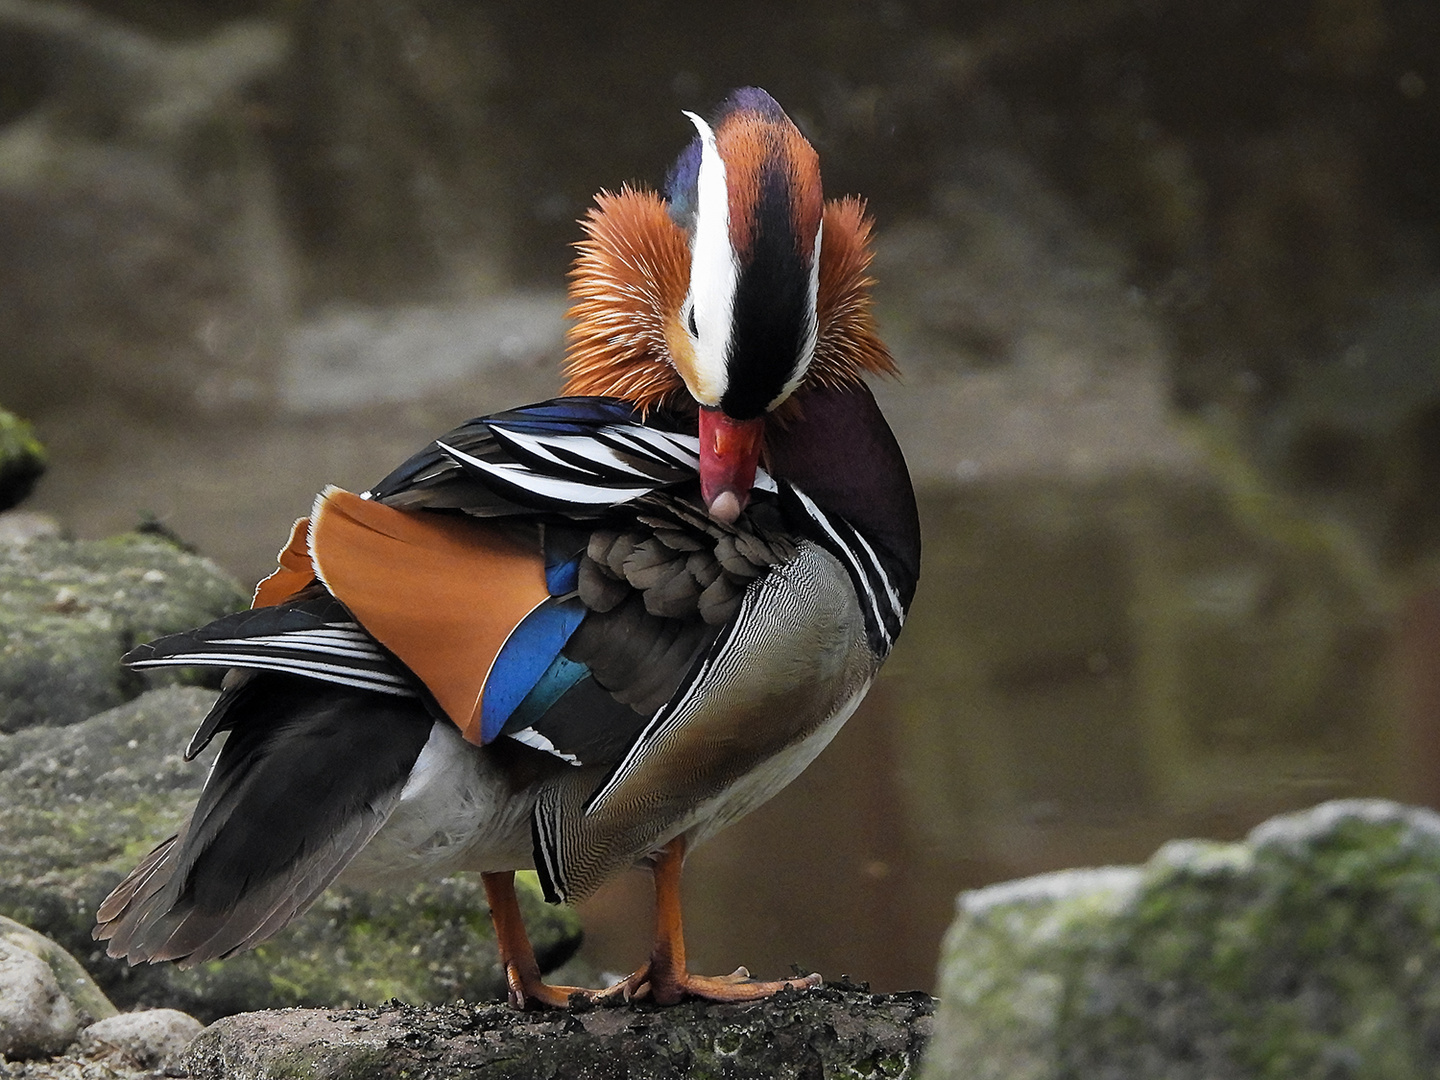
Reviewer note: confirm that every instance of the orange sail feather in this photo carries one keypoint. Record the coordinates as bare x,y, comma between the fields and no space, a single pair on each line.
295,571
441,593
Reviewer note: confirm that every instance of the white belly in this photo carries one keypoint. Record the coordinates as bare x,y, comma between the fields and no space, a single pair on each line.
457,811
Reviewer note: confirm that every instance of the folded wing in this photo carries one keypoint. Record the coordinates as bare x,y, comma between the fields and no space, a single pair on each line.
552,588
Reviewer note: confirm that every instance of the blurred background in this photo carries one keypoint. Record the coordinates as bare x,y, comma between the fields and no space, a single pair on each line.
1163,277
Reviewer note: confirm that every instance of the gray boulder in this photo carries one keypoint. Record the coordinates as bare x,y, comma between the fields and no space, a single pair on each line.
1311,949
80,805
36,1019
88,1000
149,1039
70,608
23,526
45,996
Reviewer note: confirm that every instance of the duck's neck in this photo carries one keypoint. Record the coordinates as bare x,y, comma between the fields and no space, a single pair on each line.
841,453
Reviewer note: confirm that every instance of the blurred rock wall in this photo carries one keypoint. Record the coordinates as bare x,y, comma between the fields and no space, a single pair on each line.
143,253
181,181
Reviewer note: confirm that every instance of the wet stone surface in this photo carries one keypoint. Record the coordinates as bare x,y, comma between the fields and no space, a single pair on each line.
834,1031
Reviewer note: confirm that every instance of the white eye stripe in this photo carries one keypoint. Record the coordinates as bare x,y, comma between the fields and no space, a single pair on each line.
714,271
812,325
813,307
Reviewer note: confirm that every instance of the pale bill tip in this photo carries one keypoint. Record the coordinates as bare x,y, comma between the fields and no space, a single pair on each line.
725,507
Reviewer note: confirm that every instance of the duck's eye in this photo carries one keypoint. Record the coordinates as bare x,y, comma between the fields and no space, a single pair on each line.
690,322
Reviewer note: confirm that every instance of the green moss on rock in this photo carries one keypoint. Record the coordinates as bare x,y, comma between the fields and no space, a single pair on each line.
1310,950
431,943
70,609
22,459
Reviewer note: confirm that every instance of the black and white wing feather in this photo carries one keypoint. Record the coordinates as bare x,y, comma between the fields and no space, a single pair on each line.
314,637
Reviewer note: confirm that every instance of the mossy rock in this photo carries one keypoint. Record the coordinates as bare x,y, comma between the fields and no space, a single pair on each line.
22,459
80,805
1312,949
88,1000
835,1032
69,609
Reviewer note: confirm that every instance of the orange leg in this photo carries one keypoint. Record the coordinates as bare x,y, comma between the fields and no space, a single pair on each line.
665,978
522,973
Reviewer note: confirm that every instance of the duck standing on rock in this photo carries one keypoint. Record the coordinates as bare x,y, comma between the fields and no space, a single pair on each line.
583,634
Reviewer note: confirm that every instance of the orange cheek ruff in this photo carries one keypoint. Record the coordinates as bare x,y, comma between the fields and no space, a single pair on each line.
630,278
441,593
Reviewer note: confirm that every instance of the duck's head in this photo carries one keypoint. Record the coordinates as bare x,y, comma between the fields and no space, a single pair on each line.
732,291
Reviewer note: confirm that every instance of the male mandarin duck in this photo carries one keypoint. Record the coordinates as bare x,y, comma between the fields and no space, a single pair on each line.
580,635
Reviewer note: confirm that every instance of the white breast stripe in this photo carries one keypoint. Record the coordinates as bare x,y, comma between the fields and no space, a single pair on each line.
858,575
895,605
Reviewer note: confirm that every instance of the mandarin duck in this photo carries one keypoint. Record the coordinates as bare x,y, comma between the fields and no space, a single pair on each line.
580,635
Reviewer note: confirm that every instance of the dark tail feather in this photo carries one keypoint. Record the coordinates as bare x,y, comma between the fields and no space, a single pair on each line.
135,884
307,776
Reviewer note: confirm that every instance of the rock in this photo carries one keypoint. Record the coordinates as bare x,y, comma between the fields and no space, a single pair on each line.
155,271
22,526
1310,949
145,1039
80,805
22,459
36,1018
70,609
74,981
832,1031
45,995
345,359
430,943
